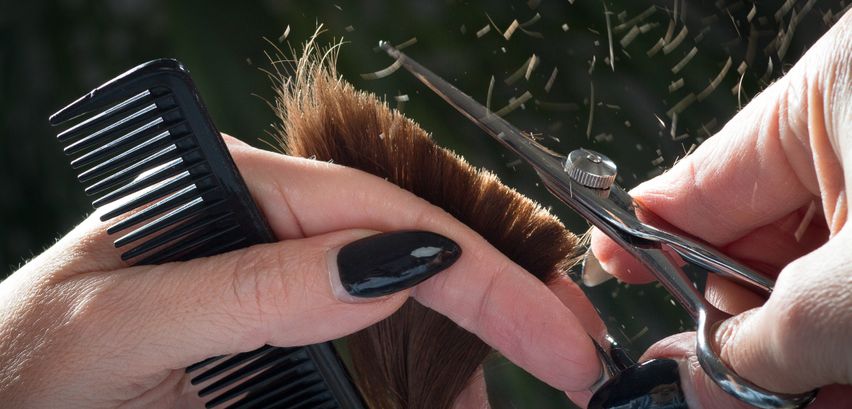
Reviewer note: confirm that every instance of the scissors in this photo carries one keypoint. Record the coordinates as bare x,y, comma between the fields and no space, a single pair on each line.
585,181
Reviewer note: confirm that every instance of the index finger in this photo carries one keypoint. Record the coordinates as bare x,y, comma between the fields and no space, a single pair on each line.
494,298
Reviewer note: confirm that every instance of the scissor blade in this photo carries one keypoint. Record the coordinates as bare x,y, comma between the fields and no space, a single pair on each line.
541,158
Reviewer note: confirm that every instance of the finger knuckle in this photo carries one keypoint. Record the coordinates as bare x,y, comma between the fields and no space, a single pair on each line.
266,279
254,280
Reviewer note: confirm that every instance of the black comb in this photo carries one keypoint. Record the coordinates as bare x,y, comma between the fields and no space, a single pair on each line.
144,144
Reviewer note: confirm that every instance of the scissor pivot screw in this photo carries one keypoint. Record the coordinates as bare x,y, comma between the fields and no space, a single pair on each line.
590,169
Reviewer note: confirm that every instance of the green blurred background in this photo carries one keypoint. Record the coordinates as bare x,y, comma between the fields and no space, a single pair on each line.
51,52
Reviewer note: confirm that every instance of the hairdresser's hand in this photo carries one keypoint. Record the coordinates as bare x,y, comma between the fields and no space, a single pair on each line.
80,329
747,190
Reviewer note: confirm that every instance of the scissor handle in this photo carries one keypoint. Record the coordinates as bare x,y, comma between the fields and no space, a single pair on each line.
726,378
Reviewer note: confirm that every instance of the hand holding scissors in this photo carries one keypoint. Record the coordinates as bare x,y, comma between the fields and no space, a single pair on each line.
797,135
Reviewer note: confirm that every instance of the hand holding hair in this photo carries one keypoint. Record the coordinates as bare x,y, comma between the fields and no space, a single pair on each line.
80,329
771,189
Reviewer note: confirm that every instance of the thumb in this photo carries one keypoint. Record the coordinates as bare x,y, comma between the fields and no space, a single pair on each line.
796,342
799,339
281,294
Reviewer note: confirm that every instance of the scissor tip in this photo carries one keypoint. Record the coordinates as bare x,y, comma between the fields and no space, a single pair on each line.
389,49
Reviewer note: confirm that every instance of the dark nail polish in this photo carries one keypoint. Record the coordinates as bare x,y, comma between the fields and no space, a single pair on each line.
389,262
654,384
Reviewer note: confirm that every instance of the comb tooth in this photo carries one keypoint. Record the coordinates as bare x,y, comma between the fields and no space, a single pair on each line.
93,138
228,364
137,168
310,394
214,249
174,252
257,382
320,400
74,131
117,161
328,404
152,177
198,365
105,150
104,96
181,231
290,391
245,368
157,175
158,190
222,248
184,211
167,203
170,119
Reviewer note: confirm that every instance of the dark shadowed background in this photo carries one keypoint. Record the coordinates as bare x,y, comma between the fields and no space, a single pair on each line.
633,63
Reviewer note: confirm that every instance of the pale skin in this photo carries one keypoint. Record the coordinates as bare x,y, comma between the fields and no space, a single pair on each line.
746,191
81,329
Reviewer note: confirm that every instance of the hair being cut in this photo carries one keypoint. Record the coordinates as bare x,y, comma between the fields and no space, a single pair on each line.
416,358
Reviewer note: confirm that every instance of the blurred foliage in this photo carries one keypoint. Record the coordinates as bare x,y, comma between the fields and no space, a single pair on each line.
51,52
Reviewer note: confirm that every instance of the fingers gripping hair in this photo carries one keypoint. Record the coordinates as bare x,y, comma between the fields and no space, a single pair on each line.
416,358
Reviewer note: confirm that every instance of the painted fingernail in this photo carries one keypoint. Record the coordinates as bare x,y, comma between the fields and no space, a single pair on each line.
654,384
385,263
614,360
593,274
